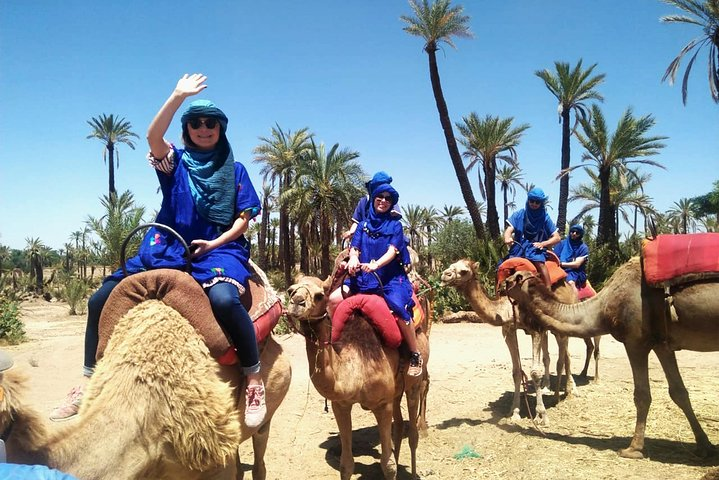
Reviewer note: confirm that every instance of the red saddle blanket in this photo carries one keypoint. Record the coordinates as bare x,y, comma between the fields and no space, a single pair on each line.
587,291
516,264
375,309
674,259
180,291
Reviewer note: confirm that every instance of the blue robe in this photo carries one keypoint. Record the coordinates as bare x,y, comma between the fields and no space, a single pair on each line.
529,228
569,251
159,249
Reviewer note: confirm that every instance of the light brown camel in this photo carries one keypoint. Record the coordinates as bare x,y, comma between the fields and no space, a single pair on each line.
462,275
635,314
359,370
183,293
155,408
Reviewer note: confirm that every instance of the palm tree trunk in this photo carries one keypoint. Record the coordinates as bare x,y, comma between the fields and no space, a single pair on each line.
490,175
506,208
111,167
285,259
304,248
564,181
262,237
605,224
325,240
454,155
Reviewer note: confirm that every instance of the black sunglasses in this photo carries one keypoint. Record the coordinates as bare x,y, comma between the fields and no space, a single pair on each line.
386,198
196,123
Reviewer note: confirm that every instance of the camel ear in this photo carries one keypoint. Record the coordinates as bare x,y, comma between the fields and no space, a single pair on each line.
475,269
327,284
299,277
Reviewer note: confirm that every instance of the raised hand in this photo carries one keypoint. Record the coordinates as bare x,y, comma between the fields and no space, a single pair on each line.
190,85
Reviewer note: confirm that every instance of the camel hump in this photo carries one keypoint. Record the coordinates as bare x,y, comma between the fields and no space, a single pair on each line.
180,291
675,259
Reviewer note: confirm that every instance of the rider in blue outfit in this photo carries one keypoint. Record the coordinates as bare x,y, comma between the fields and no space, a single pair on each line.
573,254
531,232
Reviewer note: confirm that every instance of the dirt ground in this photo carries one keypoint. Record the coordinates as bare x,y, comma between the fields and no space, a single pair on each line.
469,398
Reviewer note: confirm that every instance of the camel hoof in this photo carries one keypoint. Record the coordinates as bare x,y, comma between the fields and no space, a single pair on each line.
631,453
546,391
515,418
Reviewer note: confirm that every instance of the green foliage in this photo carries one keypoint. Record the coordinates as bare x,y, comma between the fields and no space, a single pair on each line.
446,299
11,327
74,293
277,280
120,218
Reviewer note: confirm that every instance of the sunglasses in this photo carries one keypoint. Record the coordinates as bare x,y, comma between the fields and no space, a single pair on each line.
386,198
535,202
196,123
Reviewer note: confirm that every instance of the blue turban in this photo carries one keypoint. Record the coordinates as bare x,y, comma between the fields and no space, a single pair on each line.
377,179
537,194
204,108
577,228
381,223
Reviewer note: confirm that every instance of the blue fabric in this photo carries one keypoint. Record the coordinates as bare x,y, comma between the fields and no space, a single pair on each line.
380,223
377,179
530,226
372,243
577,228
211,172
12,471
537,194
159,249
569,250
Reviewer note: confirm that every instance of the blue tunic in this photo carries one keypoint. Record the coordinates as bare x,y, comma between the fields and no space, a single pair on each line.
159,248
396,287
569,251
361,214
526,233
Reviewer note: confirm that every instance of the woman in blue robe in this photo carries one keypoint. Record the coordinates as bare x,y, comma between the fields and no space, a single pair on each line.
208,199
573,253
375,257
531,232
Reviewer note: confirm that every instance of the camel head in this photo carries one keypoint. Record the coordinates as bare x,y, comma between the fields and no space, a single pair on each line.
523,285
460,273
308,298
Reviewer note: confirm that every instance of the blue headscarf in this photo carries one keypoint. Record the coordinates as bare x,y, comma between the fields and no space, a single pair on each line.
380,223
378,179
574,247
211,173
534,218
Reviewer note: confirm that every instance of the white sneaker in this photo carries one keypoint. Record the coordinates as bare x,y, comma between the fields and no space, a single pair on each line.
255,408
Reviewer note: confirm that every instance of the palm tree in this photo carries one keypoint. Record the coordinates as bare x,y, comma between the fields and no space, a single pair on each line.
626,195
572,88
682,215
111,131
614,152
268,200
491,139
412,220
430,221
34,250
280,155
450,212
325,182
436,23
4,255
121,218
509,177
706,16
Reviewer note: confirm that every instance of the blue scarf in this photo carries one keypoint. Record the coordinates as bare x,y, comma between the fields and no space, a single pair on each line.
211,173
381,223
571,253
534,218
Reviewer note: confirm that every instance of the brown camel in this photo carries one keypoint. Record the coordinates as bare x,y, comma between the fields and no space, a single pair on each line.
184,294
155,408
636,315
359,370
499,312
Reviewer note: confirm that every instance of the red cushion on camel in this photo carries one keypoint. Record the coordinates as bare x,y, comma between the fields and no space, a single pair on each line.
377,312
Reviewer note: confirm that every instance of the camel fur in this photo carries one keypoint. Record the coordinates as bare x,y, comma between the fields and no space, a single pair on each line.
359,370
636,315
499,312
155,408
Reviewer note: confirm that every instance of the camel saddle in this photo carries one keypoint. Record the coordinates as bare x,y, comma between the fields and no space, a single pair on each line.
516,264
180,291
675,259
377,313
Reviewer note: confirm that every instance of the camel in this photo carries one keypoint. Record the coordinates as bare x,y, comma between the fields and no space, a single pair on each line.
500,312
358,370
155,408
636,315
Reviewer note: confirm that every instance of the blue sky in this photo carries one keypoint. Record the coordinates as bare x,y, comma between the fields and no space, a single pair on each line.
345,69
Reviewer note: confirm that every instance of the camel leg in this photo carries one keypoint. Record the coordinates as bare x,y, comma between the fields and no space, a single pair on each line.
413,408
639,361
596,358
259,447
422,420
590,348
538,343
343,417
510,338
570,386
397,427
546,384
384,414
680,396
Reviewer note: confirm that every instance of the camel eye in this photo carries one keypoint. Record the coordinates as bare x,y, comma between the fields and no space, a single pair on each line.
319,297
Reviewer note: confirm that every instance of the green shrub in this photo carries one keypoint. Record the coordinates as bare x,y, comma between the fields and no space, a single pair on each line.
11,327
446,299
74,294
